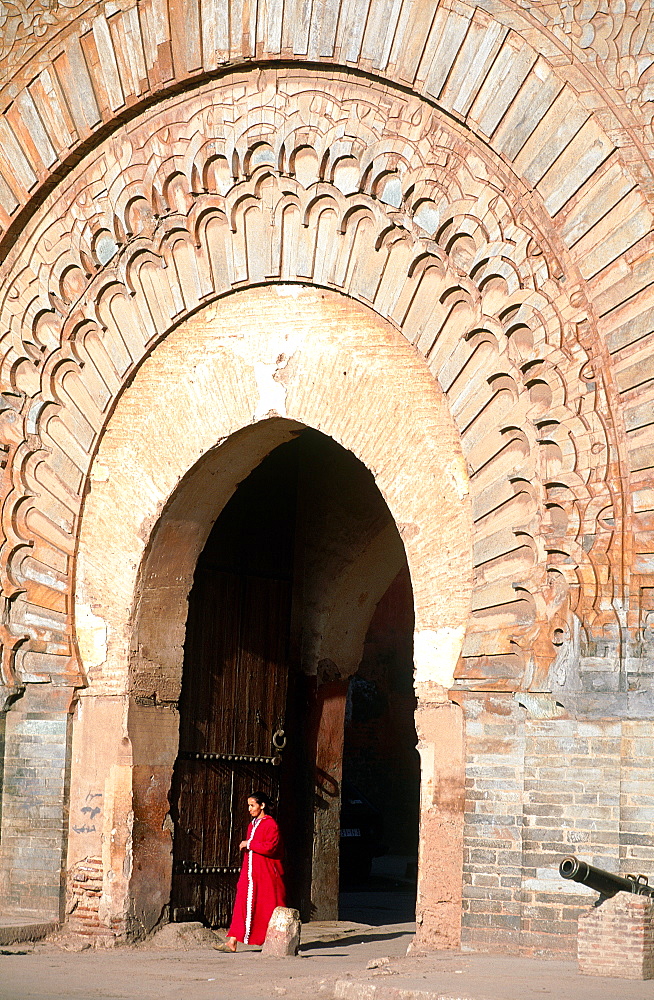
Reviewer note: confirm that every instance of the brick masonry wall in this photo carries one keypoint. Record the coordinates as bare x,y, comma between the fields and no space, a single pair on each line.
83,891
83,899
35,817
536,790
571,805
617,938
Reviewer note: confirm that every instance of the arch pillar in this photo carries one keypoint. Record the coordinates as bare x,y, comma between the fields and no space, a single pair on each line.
255,365
441,744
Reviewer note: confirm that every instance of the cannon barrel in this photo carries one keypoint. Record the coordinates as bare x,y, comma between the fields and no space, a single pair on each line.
601,881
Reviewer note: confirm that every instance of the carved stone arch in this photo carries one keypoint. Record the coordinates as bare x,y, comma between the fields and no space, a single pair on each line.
185,256
514,117
261,384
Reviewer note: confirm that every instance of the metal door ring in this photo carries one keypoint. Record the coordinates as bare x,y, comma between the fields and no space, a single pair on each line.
279,739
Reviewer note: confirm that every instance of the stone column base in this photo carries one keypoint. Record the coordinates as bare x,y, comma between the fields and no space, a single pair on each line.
616,938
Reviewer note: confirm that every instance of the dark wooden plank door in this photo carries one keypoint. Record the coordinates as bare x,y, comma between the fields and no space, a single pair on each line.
233,702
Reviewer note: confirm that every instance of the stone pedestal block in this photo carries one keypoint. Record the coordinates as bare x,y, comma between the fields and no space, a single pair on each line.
283,935
616,938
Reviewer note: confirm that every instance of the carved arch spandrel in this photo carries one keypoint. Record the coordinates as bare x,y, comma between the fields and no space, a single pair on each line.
133,244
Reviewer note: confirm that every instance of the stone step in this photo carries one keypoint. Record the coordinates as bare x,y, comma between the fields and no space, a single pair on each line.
14,930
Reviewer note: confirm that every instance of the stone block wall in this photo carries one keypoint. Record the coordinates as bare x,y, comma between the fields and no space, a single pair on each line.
493,823
637,797
536,790
4,874
35,818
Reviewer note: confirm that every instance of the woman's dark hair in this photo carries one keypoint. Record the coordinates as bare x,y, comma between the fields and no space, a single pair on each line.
263,800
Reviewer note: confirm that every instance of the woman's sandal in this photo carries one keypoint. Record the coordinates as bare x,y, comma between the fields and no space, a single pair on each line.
225,947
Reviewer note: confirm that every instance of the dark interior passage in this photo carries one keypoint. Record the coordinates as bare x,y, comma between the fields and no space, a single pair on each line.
281,591
381,769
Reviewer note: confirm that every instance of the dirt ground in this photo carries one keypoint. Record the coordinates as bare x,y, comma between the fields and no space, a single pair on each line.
334,961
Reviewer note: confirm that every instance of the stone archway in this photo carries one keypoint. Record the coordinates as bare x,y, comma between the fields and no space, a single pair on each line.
159,479
402,219
502,222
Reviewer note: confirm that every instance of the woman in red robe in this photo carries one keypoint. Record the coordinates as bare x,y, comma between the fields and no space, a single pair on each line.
261,882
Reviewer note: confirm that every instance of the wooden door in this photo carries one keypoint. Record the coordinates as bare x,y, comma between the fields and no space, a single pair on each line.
232,725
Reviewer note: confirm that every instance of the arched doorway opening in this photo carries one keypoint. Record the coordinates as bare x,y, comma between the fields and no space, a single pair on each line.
283,595
162,475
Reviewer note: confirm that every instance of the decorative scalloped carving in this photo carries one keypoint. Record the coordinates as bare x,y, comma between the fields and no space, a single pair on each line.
190,205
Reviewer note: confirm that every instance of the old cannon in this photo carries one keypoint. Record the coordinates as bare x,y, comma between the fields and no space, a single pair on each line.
606,883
